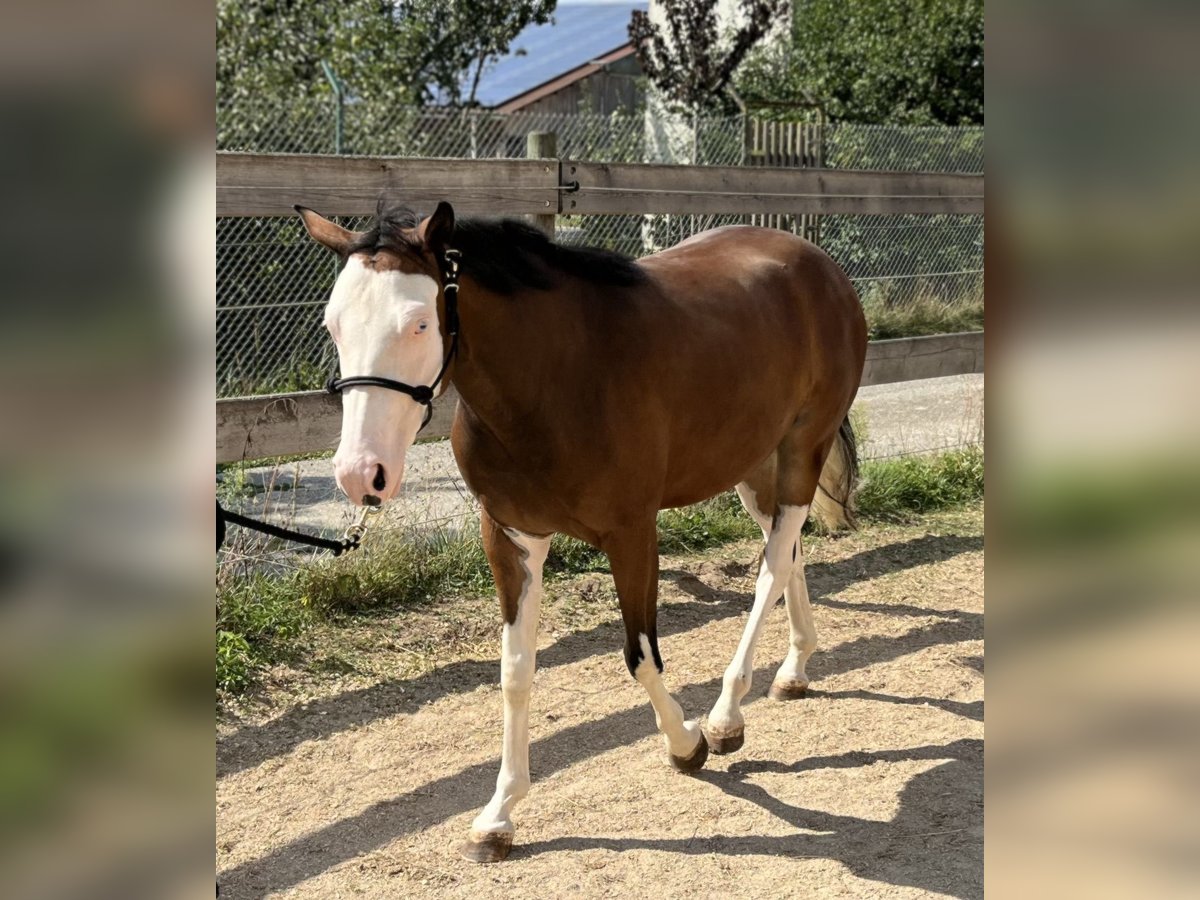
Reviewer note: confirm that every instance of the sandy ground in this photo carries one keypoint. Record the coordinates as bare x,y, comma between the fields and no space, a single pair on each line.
910,417
869,787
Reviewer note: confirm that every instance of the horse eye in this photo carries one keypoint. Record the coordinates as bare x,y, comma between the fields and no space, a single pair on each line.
422,326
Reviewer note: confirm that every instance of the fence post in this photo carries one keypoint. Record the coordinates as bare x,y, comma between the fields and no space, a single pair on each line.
543,145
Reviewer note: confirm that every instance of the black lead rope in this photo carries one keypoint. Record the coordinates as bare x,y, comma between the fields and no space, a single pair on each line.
337,548
421,393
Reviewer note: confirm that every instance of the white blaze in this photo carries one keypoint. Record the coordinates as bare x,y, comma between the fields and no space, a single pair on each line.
385,323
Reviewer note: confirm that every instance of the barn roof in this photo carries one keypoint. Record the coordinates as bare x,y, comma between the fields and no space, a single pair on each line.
581,32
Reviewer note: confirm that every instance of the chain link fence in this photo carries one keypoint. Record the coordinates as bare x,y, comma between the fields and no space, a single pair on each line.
623,136
273,281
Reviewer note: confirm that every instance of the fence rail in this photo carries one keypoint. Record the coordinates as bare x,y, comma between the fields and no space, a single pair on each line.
253,184
271,184
310,421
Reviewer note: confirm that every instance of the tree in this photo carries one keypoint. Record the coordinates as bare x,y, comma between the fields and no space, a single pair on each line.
902,62
409,52
688,59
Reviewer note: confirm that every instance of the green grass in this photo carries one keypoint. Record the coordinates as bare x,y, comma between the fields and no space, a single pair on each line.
261,620
921,315
895,489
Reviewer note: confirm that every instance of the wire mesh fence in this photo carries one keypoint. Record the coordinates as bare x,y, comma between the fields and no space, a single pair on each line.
310,126
272,281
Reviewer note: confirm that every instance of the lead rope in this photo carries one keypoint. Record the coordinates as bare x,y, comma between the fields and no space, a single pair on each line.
351,538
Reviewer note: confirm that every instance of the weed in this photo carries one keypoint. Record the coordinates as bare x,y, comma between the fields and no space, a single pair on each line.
921,314
895,488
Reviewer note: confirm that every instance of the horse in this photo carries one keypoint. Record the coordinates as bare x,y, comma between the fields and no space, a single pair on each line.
594,391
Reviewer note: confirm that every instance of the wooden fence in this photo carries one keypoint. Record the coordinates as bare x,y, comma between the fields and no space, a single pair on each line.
250,184
272,184
310,421
793,145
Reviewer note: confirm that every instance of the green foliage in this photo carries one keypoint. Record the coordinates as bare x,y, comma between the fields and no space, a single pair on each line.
396,570
234,662
914,62
895,488
938,257
408,52
259,622
688,58
708,524
569,556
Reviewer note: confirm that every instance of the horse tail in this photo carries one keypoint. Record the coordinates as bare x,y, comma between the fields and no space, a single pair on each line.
833,504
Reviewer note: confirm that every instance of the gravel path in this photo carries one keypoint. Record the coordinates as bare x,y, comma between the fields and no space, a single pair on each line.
909,417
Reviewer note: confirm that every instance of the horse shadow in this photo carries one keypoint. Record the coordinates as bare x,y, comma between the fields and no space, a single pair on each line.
934,842
254,744
854,841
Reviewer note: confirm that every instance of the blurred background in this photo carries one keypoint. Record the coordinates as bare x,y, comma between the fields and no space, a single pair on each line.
112,355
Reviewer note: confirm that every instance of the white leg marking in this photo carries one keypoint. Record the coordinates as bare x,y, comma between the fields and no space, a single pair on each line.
773,576
518,657
750,501
682,737
800,619
803,631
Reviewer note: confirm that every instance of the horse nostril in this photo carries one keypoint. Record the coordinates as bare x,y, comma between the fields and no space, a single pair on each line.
380,482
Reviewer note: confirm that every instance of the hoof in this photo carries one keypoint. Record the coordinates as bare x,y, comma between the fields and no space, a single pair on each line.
693,763
787,690
487,848
729,742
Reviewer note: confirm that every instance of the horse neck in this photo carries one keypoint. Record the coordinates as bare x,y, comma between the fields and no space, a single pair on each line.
501,339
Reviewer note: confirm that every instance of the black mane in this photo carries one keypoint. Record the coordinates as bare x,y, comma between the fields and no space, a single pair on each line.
504,255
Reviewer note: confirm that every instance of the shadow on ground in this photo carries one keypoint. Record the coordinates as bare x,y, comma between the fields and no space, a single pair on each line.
939,809
949,795
253,744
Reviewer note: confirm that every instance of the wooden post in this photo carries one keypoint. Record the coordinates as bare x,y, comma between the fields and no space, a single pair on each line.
543,145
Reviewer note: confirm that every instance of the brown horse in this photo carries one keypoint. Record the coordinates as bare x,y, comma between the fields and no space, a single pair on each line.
595,391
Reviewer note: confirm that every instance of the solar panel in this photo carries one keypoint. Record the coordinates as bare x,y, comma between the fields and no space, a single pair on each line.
580,33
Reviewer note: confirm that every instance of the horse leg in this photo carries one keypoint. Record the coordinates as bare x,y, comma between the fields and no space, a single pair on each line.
516,561
633,555
791,682
785,488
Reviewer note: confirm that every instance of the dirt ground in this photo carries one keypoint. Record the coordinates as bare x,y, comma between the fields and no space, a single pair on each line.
358,775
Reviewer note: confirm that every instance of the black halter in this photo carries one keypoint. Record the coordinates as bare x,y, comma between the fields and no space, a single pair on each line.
423,394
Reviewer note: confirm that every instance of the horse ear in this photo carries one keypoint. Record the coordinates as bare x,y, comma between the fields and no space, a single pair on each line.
438,230
326,233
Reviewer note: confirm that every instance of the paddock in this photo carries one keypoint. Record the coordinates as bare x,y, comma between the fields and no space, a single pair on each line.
871,786
359,779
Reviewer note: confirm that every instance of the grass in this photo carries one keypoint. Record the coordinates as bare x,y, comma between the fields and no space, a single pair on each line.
921,314
261,619
895,489
259,623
